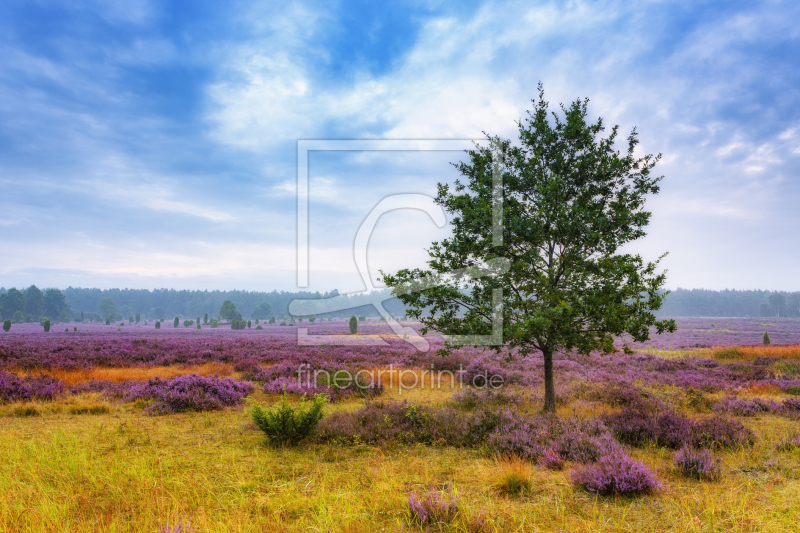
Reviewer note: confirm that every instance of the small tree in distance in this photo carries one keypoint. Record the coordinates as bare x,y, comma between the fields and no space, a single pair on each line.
6,325
766,338
353,325
228,311
46,325
158,324
568,202
175,322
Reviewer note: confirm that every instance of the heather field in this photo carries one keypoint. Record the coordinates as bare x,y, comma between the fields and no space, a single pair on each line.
129,428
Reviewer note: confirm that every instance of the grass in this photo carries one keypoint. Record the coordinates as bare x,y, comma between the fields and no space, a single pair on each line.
732,353
123,471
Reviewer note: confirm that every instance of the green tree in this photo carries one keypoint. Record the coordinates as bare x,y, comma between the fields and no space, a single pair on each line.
272,320
262,311
568,201
777,304
248,324
158,324
353,325
107,308
34,302
6,325
205,318
766,340
46,325
55,304
138,317
228,311
17,317
12,302
175,322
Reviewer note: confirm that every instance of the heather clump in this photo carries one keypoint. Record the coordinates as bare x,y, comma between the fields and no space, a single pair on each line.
616,475
697,464
17,389
433,508
190,392
286,425
789,444
717,432
470,398
743,407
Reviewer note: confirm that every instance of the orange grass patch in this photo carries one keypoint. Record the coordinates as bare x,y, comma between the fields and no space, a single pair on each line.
791,351
413,378
116,374
764,388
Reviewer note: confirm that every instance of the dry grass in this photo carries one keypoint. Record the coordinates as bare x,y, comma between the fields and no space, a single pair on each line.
733,353
73,377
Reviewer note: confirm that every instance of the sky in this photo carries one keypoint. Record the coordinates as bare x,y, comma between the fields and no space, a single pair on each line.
155,144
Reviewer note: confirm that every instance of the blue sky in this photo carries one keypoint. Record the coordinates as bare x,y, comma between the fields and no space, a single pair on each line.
153,144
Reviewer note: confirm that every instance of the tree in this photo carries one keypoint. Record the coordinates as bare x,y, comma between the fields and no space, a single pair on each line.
107,308
228,311
12,302
262,311
175,322
766,340
777,304
55,304
272,320
46,325
34,302
6,325
205,318
567,202
353,324
138,317
158,324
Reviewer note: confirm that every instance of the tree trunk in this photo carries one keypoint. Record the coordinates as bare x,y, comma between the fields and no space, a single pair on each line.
549,386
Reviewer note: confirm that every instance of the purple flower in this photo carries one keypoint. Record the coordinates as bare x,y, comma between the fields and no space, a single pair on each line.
699,464
616,475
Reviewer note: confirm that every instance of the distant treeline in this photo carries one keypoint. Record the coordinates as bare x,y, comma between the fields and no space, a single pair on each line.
168,303
32,303
702,302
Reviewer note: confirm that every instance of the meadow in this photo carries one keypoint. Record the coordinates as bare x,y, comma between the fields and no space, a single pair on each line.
129,428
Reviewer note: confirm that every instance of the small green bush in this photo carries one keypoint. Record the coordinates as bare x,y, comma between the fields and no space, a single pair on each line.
283,323
6,325
766,338
158,324
214,322
108,321
175,322
46,325
272,320
353,325
259,327
287,425
248,324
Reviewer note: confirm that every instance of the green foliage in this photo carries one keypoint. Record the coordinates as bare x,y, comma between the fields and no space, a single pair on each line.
283,323
108,321
214,323
248,324
34,301
46,325
6,325
766,340
205,318
18,317
286,425
11,303
175,322
259,327
362,318
187,323
158,324
568,204
138,317
55,304
227,311
353,325
272,320
263,311
198,324
130,320
107,308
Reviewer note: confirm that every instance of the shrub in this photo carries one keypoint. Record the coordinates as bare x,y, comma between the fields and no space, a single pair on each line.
765,340
108,321
741,407
214,322
433,508
283,323
158,324
175,322
248,324
285,425
259,327
551,460
16,389
353,325
698,464
187,323
272,320
717,432
190,392
46,325
205,319
616,475
198,324
6,325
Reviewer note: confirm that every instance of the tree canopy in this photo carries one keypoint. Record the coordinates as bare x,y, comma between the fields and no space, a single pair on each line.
544,222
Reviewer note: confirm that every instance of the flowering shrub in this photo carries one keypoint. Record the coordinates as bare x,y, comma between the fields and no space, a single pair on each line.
190,392
551,460
716,432
742,407
16,389
698,464
790,444
433,508
616,475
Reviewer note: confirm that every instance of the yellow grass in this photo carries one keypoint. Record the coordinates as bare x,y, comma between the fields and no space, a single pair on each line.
73,377
739,353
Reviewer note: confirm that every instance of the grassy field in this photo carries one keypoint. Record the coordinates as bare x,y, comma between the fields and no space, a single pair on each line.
86,464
